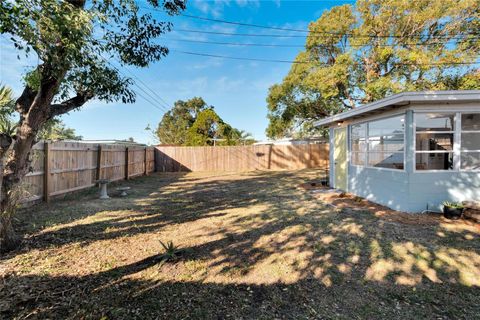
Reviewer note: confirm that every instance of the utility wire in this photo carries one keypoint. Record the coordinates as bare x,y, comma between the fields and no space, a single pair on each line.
235,58
241,44
310,32
420,36
164,103
236,34
242,34
161,107
312,61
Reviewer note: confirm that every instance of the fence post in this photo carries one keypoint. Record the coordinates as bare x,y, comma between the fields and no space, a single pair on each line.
46,171
310,158
126,163
146,162
99,162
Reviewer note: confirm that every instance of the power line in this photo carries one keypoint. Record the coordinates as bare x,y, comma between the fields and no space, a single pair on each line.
162,108
235,58
165,103
256,35
420,36
313,61
310,32
241,44
242,34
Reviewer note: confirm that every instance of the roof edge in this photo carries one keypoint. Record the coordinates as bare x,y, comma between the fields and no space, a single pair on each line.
409,96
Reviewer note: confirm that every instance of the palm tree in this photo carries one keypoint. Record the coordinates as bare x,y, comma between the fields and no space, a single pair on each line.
244,137
7,108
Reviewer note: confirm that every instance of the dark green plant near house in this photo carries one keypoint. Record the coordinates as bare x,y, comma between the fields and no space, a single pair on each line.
452,210
73,41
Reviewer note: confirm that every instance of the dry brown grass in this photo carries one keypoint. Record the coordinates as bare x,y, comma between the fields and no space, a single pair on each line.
252,245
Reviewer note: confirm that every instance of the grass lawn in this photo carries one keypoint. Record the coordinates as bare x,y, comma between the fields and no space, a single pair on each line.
252,246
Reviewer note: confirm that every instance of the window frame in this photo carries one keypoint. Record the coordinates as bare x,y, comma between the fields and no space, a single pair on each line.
460,143
367,144
456,148
350,148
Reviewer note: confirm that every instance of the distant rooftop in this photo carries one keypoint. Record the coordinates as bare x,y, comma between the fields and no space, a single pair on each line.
113,141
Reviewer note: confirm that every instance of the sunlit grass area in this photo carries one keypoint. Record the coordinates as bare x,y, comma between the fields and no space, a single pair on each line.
248,245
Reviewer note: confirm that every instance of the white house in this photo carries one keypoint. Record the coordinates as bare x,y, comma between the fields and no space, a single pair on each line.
410,151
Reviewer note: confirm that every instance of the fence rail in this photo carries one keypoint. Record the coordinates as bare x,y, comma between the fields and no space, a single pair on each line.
62,167
241,158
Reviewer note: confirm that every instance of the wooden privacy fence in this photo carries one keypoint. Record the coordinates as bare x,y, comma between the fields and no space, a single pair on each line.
61,167
241,158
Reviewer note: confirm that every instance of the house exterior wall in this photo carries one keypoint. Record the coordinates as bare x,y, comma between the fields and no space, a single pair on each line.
331,161
432,188
410,190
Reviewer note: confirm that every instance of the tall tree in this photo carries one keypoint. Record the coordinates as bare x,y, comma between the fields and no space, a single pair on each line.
73,41
175,123
358,54
194,123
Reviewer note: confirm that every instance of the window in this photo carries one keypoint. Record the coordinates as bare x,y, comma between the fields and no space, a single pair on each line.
386,143
470,141
434,139
358,144
379,143
447,141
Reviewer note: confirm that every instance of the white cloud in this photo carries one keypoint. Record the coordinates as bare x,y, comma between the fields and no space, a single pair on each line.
244,3
215,8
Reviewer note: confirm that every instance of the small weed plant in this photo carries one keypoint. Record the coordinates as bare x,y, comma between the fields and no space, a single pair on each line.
453,205
171,251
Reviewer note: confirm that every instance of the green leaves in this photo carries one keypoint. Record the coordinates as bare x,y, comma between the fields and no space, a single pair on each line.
74,41
55,129
376,48
7,108
194,123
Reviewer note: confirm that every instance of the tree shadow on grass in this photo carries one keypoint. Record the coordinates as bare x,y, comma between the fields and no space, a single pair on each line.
142,290
154,203
253,248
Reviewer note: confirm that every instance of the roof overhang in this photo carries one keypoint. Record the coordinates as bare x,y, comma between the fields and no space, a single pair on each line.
402,99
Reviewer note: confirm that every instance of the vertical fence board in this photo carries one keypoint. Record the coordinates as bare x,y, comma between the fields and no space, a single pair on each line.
46,172
241,158
61,167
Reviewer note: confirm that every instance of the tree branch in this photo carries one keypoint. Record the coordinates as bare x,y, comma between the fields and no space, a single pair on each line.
68,105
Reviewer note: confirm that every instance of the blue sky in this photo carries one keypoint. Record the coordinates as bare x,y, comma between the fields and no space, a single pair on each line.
237,89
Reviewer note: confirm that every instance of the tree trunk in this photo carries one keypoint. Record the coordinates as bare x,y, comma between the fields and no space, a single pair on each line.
34,112
8,238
